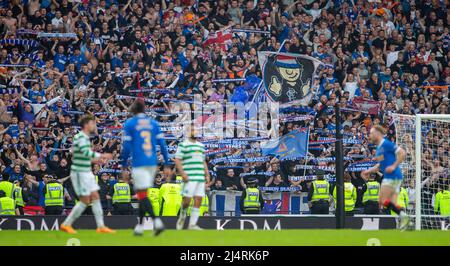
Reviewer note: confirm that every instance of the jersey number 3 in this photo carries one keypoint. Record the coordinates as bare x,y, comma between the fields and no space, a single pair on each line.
147,145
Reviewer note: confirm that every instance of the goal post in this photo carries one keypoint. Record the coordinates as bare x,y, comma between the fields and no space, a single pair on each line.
426,169
419,118
418,176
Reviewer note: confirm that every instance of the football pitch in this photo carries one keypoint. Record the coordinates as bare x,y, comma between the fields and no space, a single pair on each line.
229,238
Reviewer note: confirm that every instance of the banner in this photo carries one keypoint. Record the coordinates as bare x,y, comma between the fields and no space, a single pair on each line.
254,222
370,106
56,35
288,78
360,166
24,42
251,31
293,144
285,203
316,167
227,203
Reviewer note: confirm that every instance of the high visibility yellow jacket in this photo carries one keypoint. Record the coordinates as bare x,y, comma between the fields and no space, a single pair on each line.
8,188
372,191
122,193
170,198
7,206
153,196
349,196
321,190
442,203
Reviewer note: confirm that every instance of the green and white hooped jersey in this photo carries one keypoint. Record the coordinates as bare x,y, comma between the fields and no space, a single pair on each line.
82,153
192,156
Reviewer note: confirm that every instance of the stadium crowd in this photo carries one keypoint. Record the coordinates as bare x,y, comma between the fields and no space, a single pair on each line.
61,59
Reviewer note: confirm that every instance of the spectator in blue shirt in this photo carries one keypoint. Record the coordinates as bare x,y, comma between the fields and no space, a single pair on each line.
60,59
15,173
34,92
78,59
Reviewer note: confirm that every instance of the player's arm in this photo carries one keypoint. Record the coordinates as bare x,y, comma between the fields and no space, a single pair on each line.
163,148
85,148
126,145
366,173
207,176
180,169
162,144
178,163
400,157
62,180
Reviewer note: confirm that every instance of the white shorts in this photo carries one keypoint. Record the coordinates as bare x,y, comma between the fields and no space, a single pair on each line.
143,176
193,189
394,183
84,183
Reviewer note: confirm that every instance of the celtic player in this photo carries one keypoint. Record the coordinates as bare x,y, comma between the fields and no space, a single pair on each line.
191,165
82,178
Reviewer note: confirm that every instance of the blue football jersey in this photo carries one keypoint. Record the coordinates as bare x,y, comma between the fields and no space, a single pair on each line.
141,135
386,156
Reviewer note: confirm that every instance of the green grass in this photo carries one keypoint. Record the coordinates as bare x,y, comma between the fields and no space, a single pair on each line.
229,238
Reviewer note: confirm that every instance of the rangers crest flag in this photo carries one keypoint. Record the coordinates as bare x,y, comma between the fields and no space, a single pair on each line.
288,78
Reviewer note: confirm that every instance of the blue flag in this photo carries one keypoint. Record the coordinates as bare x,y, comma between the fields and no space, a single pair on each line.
242,93
252,82
292,145
239,95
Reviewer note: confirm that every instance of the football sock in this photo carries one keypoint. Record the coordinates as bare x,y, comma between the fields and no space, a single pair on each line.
145,207
98,213
391,206
194,216
75,213
183,213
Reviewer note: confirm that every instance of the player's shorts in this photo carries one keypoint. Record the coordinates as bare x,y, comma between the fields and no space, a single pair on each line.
394,183
193,189
84,183
143,176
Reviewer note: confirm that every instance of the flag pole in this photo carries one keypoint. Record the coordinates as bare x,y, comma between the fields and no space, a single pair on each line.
307,151
340,205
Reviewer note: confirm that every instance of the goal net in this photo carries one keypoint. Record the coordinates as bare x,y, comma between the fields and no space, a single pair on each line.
426,169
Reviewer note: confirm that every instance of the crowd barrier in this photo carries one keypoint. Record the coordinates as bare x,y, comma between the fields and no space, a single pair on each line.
226,203
261,222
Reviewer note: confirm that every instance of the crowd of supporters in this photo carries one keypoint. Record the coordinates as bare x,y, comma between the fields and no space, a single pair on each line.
61,59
